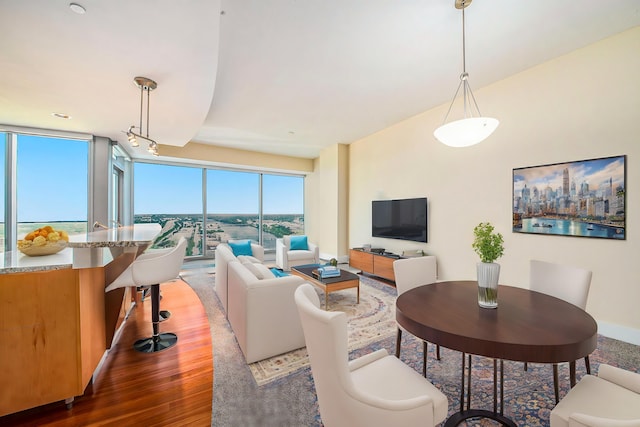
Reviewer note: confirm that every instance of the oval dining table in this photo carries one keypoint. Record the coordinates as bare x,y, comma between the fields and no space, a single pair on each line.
527,326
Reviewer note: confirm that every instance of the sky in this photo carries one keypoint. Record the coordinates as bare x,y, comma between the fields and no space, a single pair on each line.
52,182
172,189
596,173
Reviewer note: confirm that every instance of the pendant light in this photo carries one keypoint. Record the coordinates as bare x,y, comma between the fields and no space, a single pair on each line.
145,85
472,128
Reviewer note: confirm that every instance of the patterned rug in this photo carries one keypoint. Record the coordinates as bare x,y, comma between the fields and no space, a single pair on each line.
371,320
290,399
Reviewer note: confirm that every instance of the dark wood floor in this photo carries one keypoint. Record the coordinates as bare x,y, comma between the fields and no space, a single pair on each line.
169,388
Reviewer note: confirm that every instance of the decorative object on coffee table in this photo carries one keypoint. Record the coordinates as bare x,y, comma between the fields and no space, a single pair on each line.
489,245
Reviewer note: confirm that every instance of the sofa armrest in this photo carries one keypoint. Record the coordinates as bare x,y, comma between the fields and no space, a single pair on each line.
316,252
257,251
623,378
583,420
280,253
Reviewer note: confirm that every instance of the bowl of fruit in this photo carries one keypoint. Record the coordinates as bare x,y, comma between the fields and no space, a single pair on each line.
43,241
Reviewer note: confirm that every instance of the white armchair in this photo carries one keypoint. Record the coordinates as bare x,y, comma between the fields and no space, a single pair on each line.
612,399
374,390
301,252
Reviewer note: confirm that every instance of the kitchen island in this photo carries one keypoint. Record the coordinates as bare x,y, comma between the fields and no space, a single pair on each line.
56,322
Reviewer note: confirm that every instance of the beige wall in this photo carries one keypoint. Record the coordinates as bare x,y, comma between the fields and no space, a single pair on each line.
580,106
326,207
231,157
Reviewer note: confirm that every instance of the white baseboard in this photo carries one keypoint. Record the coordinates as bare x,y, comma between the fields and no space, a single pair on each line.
618,332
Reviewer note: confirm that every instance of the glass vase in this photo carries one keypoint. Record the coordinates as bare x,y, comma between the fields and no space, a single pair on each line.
488,275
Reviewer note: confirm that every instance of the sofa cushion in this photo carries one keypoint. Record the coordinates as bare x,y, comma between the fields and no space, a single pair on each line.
240,247
299,255
298,243
259,270
248,259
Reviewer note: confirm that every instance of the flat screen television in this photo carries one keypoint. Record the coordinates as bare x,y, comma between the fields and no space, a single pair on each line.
404,219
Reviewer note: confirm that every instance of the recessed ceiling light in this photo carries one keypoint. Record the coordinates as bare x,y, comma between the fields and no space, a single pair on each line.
61,115
77,8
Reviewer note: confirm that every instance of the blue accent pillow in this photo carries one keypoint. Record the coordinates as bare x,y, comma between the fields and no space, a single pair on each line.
279,273
299,243
241,247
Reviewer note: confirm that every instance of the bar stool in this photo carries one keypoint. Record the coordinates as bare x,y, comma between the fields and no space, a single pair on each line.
151,270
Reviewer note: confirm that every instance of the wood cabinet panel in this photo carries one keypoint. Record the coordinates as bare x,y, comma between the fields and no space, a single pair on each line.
361,260
383,267
53,325
371,263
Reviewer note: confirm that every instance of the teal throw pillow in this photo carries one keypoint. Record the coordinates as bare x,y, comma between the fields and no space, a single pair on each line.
279,273
299,243
241,247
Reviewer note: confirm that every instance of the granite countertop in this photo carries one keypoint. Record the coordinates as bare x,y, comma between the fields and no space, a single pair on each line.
128,236
132,235
17,262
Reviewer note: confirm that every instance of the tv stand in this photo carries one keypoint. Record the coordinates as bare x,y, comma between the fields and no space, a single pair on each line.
377,264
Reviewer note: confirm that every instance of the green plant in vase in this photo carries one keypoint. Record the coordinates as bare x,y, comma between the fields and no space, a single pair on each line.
489,245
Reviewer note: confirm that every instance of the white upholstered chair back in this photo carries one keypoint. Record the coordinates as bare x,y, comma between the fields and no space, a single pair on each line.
413,272
373,390
565,282
326,338
153,268
612,399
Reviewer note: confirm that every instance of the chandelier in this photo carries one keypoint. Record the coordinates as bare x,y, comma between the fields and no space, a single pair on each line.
145,85
472,128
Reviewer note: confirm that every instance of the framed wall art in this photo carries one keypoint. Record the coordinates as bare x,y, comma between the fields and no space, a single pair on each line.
584,198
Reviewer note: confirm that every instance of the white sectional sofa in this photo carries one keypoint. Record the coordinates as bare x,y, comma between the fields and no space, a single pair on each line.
224,255
262,312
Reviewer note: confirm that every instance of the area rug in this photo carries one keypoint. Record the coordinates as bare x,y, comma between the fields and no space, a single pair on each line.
290,400
370,320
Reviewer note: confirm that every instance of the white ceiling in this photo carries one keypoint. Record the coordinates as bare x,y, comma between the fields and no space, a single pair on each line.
279,76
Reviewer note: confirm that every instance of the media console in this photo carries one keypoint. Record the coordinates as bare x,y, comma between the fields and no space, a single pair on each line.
373,262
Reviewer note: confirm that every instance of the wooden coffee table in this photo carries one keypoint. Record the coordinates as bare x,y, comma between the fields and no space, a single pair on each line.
346,280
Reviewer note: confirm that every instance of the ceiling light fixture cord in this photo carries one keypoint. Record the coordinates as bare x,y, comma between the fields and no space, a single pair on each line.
469,130
147,85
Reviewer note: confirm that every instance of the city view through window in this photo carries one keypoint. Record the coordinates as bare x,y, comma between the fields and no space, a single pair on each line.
174,197
51,188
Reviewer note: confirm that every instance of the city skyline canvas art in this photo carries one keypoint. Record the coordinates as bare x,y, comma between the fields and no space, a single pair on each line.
584,198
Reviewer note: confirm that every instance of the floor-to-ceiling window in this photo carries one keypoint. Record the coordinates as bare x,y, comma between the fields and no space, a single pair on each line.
171,196
51,183
233,207
237,205
282,208
45,182
3,145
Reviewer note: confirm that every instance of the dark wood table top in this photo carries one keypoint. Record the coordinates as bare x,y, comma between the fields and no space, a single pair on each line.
308,269
527,326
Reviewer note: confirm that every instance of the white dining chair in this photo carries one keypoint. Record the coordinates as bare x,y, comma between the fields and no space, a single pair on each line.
611,399
411,273
567,283
376,389
151,270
